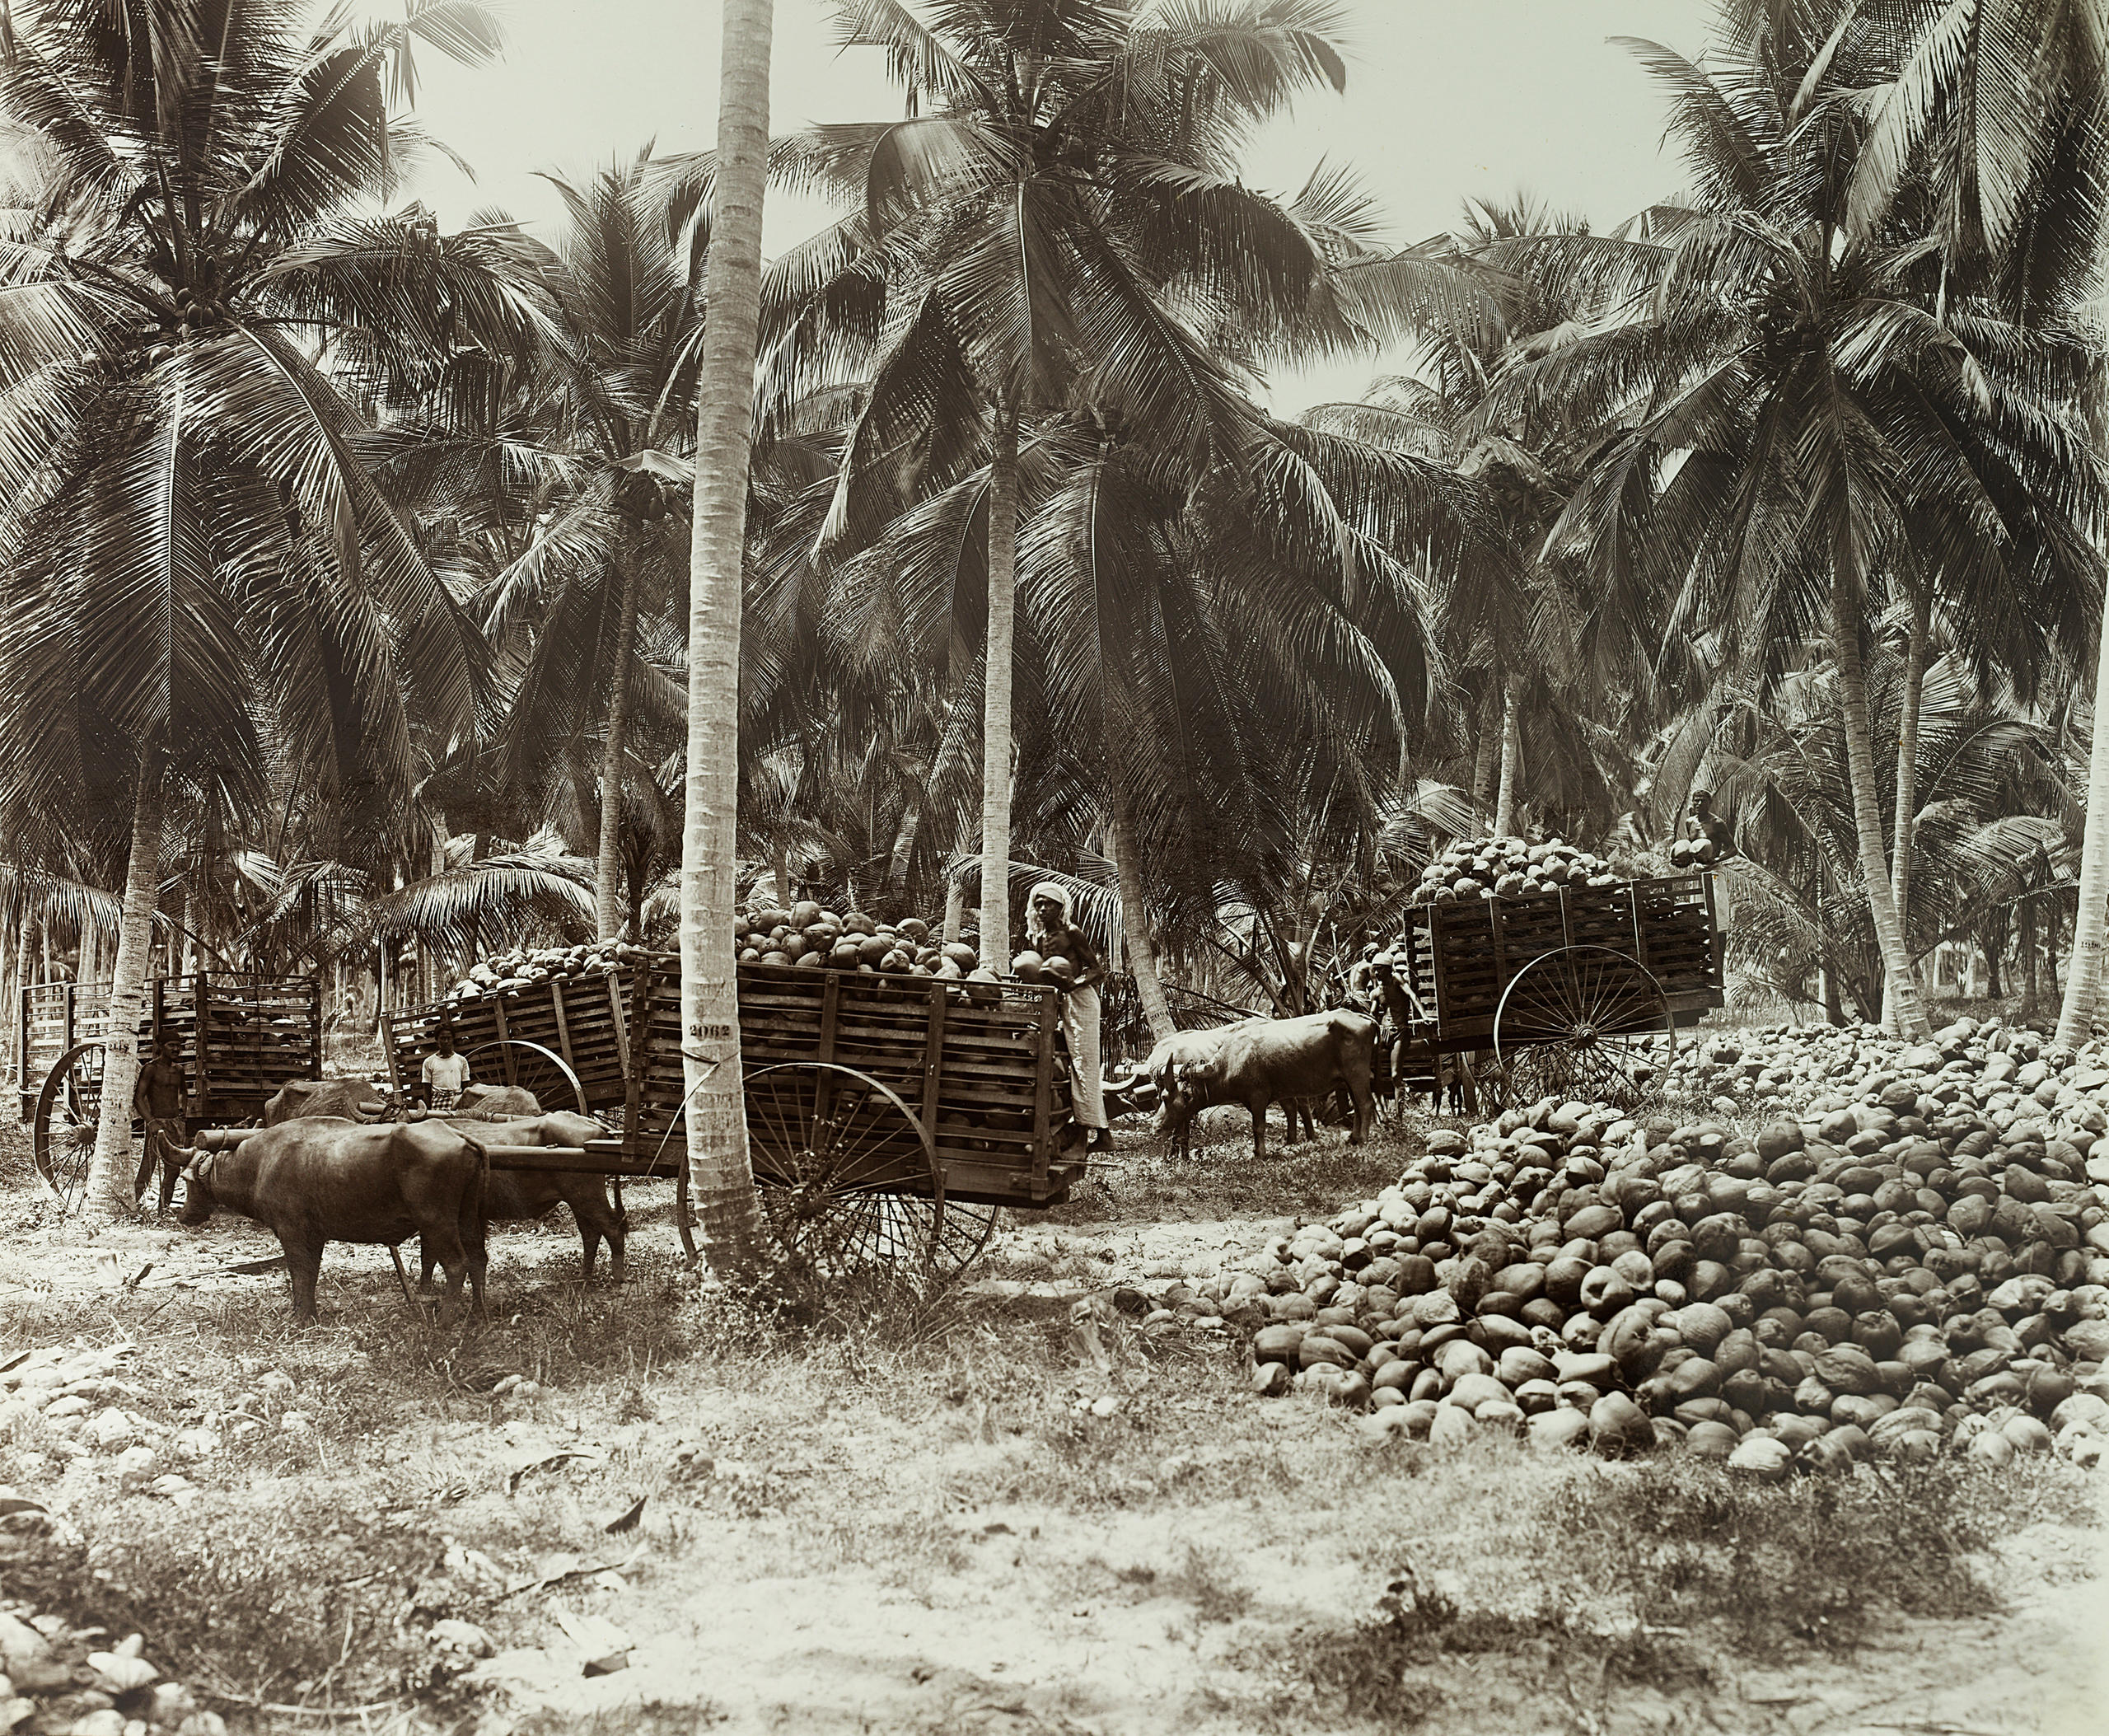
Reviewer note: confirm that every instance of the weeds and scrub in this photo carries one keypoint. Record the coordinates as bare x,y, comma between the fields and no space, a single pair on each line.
861,1431
1681,1543
1314,1177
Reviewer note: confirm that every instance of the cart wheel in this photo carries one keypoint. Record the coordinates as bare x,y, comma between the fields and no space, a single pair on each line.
849,1178
1586,1023
68,1111
516,1061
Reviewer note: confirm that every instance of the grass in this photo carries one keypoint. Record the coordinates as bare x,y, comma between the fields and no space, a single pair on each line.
1222,1179
854,1438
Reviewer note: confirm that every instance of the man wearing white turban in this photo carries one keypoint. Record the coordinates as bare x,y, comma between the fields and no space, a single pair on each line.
1050,933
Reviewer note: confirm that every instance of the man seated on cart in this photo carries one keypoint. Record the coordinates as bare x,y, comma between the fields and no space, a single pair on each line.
157,1100
444,1074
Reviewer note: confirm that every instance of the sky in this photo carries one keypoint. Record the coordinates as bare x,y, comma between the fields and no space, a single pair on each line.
1445,100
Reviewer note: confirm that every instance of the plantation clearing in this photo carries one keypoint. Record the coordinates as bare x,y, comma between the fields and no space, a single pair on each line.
986,1517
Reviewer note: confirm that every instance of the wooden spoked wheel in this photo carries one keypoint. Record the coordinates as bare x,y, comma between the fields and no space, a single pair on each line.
514,1060
68,1112
1585,1023
849,1179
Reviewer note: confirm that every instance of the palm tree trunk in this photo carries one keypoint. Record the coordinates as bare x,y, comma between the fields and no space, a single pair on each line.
1486,756
904,850
1135,919
955,907
996,692
1511,731
20,982
2083,971
1909,1021
1128,862
719,1166
608,860
1907,763
110,1173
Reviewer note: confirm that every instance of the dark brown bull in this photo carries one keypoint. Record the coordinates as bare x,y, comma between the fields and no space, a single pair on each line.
313,1180
355,1100
1263,1061
516,1195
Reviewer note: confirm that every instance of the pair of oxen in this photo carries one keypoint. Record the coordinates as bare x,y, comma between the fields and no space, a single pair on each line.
326,1167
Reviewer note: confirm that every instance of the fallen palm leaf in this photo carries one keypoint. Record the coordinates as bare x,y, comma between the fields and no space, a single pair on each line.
561,1456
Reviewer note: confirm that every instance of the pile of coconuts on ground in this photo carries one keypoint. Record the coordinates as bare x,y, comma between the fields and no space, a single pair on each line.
1916,1265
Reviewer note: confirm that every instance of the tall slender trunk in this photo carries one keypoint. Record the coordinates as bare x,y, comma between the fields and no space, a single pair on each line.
1128,864
1909,1020
1907,767
2083,972
1512,732
996,693
955,907
719,1165
2031,982
1135,918
904,850
1486,756
110,1170
21,982
608,859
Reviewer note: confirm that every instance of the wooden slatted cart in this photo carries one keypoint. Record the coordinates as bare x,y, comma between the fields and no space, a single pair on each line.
1579,993
242,1037
889,1116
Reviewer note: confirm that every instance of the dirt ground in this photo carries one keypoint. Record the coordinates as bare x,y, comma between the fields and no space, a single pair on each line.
1027,1508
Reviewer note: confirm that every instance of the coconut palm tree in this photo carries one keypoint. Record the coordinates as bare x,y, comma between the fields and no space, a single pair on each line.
1997,120
1772,359
1990,816
1059,214
621,369
200,572
720,1165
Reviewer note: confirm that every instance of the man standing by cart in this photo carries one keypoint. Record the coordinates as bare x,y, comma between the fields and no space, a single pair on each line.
444,1074
157,1100
1049,932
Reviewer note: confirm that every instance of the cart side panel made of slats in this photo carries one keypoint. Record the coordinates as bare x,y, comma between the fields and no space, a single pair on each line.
584,1019
51,1017
242,1036
1465,954
988,1076
257,1032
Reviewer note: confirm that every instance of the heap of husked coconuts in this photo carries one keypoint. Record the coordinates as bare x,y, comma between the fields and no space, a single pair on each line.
1915,1265
1508,868
816,939
507,973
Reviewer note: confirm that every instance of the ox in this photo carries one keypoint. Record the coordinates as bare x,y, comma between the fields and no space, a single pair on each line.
516,1195
495,1114
1263,1061
355,1100
315,1179
494,1101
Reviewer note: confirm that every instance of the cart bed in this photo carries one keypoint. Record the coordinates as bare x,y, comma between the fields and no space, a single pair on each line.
1465,953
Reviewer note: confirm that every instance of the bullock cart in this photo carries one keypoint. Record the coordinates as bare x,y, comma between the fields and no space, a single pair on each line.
889,1116
242,1038
1577,993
